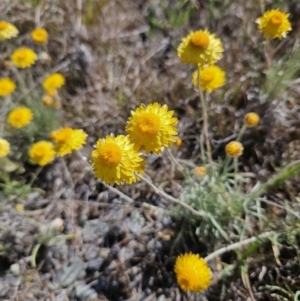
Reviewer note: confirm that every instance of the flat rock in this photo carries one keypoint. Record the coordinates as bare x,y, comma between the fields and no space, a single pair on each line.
94,229
91,252
72,272
84,292
135,222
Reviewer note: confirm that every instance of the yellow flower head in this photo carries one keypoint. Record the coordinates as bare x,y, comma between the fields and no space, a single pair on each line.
51,93
19,207
192,273
116,161
199,48
4,148
68,139
47,100
20,117
7,86
152,127
178,141
274,24
56,104
7,30
200,171
53,81
211,78
23,57
251,119
39,35
234,149
42,153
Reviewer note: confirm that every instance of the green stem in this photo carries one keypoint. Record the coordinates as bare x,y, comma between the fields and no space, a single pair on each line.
35,175
205,121
241,133
33,255
238,245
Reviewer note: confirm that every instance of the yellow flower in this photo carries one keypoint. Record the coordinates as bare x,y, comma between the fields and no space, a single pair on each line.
20,117
39,35
56,104
274,24
52,92
178,141
7,86
211,78
192,272
7,30
4,148
47,100
200,171
251,119
199,48
42,153
53,81
152,127
67,139
19,207
115,161
234,149
23,57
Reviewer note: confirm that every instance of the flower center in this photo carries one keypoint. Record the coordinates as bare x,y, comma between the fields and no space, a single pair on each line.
3,25
207,75
148,124
18,116
200,39
39,152
63,135
276,20
110,154
185,283
22,55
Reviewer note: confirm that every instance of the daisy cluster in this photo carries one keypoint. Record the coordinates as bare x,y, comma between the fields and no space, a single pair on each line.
120,159
20,118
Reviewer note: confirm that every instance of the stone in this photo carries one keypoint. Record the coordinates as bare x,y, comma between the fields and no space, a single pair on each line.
93,229
4,290
94,265
84,292
15,269
72,272
135,222
91,252
12,280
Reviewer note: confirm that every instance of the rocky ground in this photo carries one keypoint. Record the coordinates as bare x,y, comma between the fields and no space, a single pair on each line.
70,238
